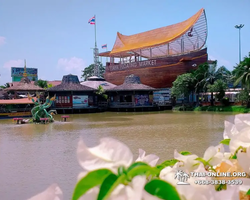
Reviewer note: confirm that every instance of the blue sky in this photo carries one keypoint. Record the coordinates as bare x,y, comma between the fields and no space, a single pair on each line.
55,37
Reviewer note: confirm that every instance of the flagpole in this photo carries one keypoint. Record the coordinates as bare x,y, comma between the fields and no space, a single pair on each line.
95,33
106,57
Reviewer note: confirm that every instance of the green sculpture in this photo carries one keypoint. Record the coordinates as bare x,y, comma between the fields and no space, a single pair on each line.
39,111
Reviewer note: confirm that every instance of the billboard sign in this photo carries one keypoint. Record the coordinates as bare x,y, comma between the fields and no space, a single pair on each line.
80,101
163,96
18,72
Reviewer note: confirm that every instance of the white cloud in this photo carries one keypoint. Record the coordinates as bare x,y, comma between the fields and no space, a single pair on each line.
13,63
2,40
71,65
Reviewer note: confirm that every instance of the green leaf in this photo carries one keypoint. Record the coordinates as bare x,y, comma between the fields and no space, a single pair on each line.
220,187
136,164
91,180
111,182
225,141
248,192
167,163
185,153
142,170
162,189
205,163
108,185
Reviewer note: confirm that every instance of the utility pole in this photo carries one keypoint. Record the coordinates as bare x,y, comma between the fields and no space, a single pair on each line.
239,27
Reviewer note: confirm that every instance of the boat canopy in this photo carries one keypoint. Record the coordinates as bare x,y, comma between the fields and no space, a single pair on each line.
181,38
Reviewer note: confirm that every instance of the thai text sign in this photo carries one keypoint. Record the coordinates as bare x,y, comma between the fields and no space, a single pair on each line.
80,101
18,72
124,66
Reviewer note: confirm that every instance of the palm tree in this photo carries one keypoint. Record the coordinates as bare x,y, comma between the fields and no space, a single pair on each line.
6,85
242,73
100,91
207,75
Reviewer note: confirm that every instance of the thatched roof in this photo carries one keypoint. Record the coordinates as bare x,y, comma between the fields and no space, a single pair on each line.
132,83
70,83
95,81
24,85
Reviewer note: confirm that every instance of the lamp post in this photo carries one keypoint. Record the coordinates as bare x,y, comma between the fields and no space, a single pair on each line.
239,27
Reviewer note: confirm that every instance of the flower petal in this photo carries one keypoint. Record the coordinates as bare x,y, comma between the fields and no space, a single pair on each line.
110,153
53,192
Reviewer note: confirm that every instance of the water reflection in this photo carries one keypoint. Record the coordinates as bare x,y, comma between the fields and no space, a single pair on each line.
33,156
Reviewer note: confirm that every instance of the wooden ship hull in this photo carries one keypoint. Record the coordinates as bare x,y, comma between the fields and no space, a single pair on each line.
158,56
157,73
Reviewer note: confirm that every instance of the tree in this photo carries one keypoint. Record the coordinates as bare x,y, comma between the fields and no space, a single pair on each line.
89,71
183,85
6,85
42,83
242,73
207,75
219,87
101,92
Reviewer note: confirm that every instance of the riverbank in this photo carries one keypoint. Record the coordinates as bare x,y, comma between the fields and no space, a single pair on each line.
236,109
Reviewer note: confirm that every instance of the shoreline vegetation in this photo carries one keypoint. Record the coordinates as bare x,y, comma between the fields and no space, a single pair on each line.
236,109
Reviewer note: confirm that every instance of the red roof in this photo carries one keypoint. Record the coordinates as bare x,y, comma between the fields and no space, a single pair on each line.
17,101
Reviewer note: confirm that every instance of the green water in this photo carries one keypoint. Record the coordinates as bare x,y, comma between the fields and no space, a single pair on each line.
33,156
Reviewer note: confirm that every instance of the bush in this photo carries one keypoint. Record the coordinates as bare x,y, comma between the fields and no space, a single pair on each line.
225,101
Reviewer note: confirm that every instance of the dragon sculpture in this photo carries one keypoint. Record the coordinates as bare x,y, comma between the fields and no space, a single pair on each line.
39,110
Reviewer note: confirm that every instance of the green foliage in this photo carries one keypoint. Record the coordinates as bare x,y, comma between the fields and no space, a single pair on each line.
6,85
170,163
242,73
89,71
225,101
108,181
243,96
100,91
248,192
91,180
219,87
184,84
236,109
225,141
42,83
204,162
162,189
49,86
185,153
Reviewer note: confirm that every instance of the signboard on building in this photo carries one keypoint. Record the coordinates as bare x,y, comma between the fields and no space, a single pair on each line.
17,73
80,101
162,96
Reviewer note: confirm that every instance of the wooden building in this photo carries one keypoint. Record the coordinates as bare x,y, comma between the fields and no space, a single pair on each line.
132,95
72,97
158,56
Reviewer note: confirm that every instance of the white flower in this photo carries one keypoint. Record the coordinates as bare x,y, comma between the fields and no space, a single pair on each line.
238,124
53,192
110,153
241,139
188,161
214,155
231,193
151,159
244,160
192,191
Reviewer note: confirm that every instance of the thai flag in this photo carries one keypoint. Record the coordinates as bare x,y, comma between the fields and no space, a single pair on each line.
92,20
104,46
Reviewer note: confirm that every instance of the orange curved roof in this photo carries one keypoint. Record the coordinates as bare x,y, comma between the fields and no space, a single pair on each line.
154,37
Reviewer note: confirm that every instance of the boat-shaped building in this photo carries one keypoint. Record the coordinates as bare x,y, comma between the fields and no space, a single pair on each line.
158,56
